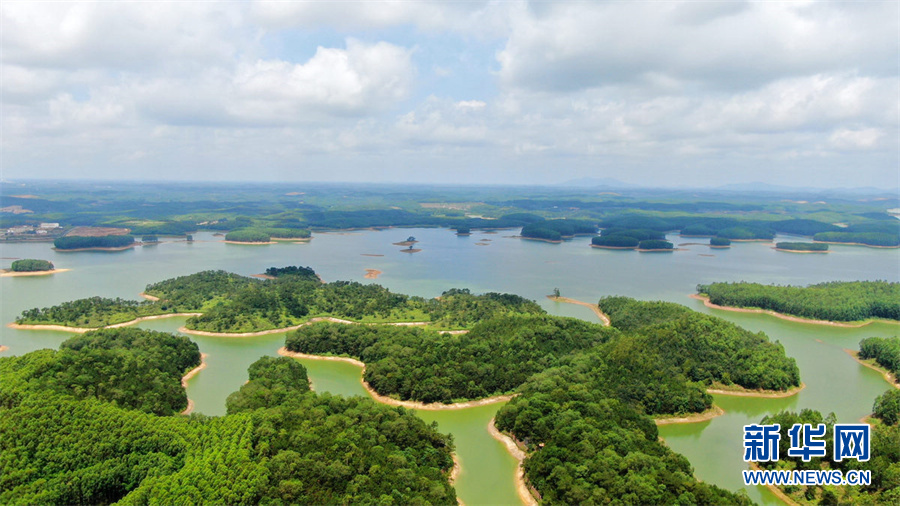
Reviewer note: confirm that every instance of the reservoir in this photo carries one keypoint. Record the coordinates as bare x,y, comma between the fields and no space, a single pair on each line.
495,262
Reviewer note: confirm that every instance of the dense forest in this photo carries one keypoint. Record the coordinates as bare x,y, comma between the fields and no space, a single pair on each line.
292,270
31,265
719,241
128,367
555,230
279,444
706,349
495,357
842,301
885,351
248,235
106,241
614,241
655,244
801,246
288,233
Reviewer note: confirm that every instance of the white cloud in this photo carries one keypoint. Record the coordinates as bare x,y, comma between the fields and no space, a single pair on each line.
844,138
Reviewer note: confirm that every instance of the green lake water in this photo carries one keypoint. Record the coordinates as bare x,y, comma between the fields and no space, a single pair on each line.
835,382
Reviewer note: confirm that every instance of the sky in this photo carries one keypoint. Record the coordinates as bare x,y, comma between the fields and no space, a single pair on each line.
656,93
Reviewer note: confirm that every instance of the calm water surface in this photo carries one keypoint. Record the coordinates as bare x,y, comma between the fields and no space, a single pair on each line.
835,383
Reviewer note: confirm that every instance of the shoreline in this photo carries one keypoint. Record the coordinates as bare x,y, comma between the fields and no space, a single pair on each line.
6,273
291,239
762,394
190,374
551,241
525,493
798,319
255,243
3,348
887,375
119,248
148,297
856,244
594,307
383,399
613,247
82,330
713,412
372,273
799,251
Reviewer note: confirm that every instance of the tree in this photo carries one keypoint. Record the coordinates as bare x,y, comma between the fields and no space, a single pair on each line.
556,292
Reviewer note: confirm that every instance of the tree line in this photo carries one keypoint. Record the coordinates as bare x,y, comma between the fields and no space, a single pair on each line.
836,300
31,265
105,241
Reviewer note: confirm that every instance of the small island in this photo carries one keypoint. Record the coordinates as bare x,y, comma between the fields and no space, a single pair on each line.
554,231
719,242
248,236
655,245
801,247
94,243
30,267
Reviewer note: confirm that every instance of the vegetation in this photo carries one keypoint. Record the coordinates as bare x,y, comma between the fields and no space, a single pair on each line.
887,407
248,235
463,230
31,265
279,444
555,230
495,357
287,233
128,367
698,230
654,244
641,234
79,242
706,349
835,301
719,241
292,270
885,351
615,241
747,233
878,233
150,239
801,246
89,313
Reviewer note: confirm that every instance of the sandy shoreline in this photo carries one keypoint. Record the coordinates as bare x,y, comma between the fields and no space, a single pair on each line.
249,243
410,250
790,318
614,247
82,330
856,244
593,307
887,375
190,374
292,239
148,297
372,273
6,273
522,488
762,394
551,241
709,414
3,348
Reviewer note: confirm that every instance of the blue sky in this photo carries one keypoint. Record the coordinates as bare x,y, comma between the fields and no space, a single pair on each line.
656,93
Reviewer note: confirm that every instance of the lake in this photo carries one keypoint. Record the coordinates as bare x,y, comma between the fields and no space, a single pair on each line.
493,262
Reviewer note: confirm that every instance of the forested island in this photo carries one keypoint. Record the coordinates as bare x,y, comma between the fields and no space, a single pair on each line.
802,247
250,236
92,425
31,265
839,301
884,351
557,230
103,243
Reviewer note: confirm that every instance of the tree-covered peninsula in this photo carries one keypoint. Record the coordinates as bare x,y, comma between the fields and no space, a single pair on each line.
802,247
231,303
75,242
65,443
840,301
